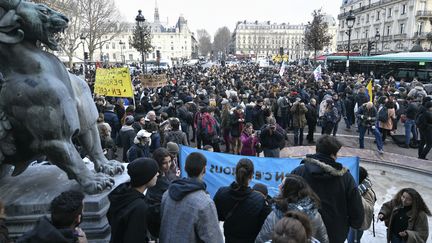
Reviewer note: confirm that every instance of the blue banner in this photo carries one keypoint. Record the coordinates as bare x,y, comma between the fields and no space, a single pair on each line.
268,171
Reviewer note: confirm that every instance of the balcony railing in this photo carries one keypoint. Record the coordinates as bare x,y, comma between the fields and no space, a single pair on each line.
400,36
424,13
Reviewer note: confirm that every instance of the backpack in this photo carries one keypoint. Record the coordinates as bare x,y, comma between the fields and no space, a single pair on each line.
382,115
207,125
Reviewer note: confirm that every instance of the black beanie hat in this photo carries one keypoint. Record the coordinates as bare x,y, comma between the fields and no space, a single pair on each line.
142,170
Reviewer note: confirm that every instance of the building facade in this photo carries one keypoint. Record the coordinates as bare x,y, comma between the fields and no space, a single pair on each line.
399,24
264,39
174,43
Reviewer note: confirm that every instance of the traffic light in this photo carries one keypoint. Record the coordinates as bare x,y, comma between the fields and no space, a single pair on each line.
370,46
86,56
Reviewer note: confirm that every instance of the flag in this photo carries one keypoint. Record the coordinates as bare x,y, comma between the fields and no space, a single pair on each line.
282,69
369,89
317,73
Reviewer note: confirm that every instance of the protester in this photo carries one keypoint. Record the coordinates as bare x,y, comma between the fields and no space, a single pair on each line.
66,214
174,134
188,213
140,147
295,195
111,118
366,118
387,125
368,201
271,137
312,119
127,214
294,227
237,124
249,140
126,135
298,111
424,123
406,217
242,209
341,205
409,122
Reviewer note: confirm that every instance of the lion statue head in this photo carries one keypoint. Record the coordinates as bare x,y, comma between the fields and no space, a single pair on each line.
22,20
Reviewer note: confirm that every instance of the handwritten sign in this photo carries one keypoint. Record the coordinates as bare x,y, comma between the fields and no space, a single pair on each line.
115,82
153,80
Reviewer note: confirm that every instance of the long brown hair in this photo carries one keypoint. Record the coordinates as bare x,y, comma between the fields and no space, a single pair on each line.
295,188
418,203
244,172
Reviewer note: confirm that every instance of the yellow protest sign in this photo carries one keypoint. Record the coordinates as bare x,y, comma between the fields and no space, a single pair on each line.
153,80
115,82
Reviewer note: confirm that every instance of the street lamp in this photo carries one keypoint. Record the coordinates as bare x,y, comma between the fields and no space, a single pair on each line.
350,20
82,38
121,51
141,21
377,37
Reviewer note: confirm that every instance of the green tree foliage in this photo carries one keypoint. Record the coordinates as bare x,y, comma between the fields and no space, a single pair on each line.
316,34
141,39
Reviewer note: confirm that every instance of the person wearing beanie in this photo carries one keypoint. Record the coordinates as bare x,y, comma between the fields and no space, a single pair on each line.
127,214
126,136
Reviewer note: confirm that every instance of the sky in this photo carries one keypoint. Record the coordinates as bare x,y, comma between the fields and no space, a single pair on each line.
211,15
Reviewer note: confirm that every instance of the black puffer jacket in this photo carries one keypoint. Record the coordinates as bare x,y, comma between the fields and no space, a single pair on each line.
249,211
341,205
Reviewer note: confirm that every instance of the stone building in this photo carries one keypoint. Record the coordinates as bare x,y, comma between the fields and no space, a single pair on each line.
264,39
394,25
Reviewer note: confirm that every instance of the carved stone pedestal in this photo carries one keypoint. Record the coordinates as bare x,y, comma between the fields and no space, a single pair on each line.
28,196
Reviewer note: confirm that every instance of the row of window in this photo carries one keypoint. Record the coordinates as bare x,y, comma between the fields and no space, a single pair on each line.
386,12
113,45
387,31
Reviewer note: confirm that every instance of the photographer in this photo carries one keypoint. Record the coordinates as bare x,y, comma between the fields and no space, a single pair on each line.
249,140
272,136
366,118
298,111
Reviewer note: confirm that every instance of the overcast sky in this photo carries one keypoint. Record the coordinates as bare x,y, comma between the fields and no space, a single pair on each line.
212,14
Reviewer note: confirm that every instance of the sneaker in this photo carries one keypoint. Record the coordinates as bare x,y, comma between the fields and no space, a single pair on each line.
404,146
381,151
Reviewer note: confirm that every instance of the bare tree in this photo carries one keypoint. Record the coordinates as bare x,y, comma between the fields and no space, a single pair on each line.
101,18
222,40
316,34
204,42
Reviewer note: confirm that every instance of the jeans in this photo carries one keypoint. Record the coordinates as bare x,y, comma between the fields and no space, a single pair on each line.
377,134
348,122
335,128
327,127
298,136
272,153
396,239
410,127
351,235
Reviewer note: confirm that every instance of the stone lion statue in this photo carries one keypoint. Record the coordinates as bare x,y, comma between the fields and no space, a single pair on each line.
43,108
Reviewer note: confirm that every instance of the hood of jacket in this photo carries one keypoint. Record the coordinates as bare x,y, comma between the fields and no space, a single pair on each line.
182,187
239,193
323,166
44,231
125,128
305,205
122,196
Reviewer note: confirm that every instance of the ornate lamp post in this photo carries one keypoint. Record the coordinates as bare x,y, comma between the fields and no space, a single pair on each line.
350,20
82,38
121,51
141,22
377,37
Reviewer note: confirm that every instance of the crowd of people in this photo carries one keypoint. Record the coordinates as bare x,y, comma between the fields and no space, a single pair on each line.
248,110
318,202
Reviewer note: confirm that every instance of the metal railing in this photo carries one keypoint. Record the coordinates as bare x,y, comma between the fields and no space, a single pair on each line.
424,13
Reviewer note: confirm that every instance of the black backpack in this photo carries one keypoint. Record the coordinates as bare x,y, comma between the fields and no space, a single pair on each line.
383,115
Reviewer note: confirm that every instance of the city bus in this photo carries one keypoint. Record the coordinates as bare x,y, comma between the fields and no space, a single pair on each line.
404,65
